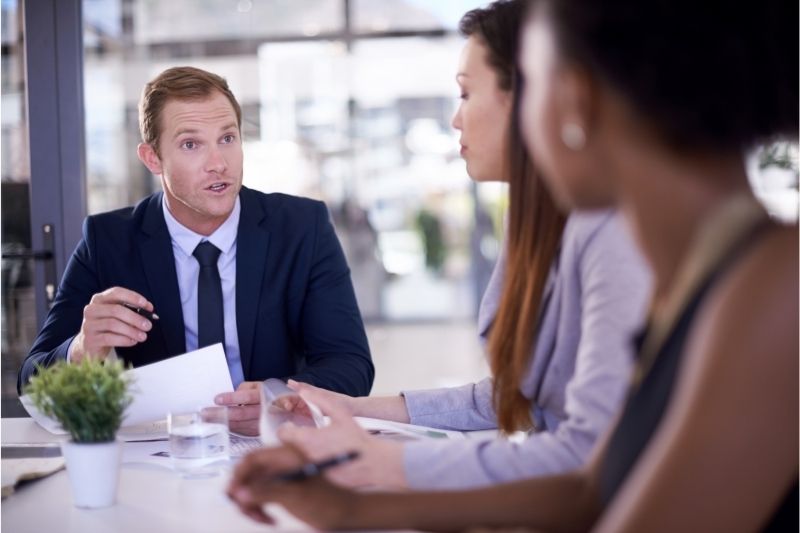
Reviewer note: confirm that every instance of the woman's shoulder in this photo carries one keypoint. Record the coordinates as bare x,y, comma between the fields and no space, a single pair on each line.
604,231
760,292
585,226
770,264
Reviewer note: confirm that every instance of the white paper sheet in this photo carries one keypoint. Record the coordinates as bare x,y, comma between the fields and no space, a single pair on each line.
46,422
405,432
179,384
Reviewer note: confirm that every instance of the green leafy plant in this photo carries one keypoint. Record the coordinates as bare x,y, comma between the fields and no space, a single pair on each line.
88,398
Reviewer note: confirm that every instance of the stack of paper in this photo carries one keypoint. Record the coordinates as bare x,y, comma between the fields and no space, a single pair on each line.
183,383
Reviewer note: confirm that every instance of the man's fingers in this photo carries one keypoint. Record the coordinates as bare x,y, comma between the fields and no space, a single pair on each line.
119,295
245,427
112,317
239,397
114,340
244,412
112,325
246,385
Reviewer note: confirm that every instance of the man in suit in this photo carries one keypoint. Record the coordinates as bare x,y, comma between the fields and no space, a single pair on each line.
262,273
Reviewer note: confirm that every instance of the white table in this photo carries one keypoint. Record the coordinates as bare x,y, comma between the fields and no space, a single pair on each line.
151,498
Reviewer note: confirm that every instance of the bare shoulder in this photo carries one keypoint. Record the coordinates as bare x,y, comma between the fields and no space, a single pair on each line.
778,248
753,312
766,274
733,413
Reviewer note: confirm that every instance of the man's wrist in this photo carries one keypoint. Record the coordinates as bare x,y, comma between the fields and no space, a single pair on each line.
72,356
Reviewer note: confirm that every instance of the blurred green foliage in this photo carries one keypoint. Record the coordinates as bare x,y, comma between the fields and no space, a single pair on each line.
88,398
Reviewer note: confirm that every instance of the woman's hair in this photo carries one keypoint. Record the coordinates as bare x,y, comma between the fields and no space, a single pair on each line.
711,75
535,225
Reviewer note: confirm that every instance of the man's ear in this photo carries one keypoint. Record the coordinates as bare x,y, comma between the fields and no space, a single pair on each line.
149,157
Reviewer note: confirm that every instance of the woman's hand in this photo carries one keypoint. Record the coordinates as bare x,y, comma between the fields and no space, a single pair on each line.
318,396
314,501
380,461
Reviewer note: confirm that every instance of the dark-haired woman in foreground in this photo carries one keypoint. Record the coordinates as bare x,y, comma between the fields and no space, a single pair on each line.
650,106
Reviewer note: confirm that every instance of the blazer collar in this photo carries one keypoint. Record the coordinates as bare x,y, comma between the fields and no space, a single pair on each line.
155,249
251,258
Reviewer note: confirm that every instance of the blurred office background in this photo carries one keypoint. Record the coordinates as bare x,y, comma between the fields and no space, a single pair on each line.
346,101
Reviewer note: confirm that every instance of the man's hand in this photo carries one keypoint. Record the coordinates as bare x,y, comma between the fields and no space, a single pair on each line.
380,461
244,407
314,501
108,324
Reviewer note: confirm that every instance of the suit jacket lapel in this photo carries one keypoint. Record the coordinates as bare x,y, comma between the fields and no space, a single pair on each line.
155,248
252,242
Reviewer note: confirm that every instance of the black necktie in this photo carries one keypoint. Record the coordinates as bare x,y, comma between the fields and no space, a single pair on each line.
210,314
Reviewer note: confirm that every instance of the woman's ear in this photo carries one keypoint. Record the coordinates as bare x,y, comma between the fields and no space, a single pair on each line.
576,107
149,157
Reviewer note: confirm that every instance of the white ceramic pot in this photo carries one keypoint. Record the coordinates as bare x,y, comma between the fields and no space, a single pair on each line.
93,470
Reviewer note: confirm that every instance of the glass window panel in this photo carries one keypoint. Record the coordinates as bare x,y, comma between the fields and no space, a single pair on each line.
375,16
366,130
18,304
202,20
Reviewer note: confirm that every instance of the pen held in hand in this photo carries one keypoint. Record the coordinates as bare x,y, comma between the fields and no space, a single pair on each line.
309,470
141,312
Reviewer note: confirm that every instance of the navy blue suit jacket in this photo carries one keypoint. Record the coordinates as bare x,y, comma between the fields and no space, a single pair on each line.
296,311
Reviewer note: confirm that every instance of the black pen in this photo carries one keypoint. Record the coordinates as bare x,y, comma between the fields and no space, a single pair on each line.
141,312
314,469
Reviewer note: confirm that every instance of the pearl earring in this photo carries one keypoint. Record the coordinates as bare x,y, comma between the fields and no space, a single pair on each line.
573,136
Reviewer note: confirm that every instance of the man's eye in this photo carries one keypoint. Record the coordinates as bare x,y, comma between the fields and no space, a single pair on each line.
228,139
463,96
190,145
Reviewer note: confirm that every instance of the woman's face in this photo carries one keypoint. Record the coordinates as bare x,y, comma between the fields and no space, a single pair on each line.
483,116
555,95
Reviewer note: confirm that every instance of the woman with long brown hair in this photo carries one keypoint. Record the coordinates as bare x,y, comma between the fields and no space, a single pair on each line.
558,315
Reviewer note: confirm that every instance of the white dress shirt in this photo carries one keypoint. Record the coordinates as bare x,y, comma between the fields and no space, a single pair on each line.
184,241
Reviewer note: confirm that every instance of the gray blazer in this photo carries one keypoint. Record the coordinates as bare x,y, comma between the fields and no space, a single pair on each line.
595,300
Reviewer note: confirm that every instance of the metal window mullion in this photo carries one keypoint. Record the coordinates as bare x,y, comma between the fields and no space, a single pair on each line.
54,91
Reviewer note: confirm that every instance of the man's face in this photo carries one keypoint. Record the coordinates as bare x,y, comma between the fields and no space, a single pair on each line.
199,161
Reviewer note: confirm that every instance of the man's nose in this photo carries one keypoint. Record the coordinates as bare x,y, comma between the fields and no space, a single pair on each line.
216,160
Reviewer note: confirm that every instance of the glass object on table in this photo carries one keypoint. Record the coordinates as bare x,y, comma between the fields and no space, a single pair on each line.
199,443
280,404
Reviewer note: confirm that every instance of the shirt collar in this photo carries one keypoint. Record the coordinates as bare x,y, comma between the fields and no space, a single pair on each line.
187,240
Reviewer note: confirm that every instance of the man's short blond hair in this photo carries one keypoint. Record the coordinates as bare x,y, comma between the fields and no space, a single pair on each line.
178,83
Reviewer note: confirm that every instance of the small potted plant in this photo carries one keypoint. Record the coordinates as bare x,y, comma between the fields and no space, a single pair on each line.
89,400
